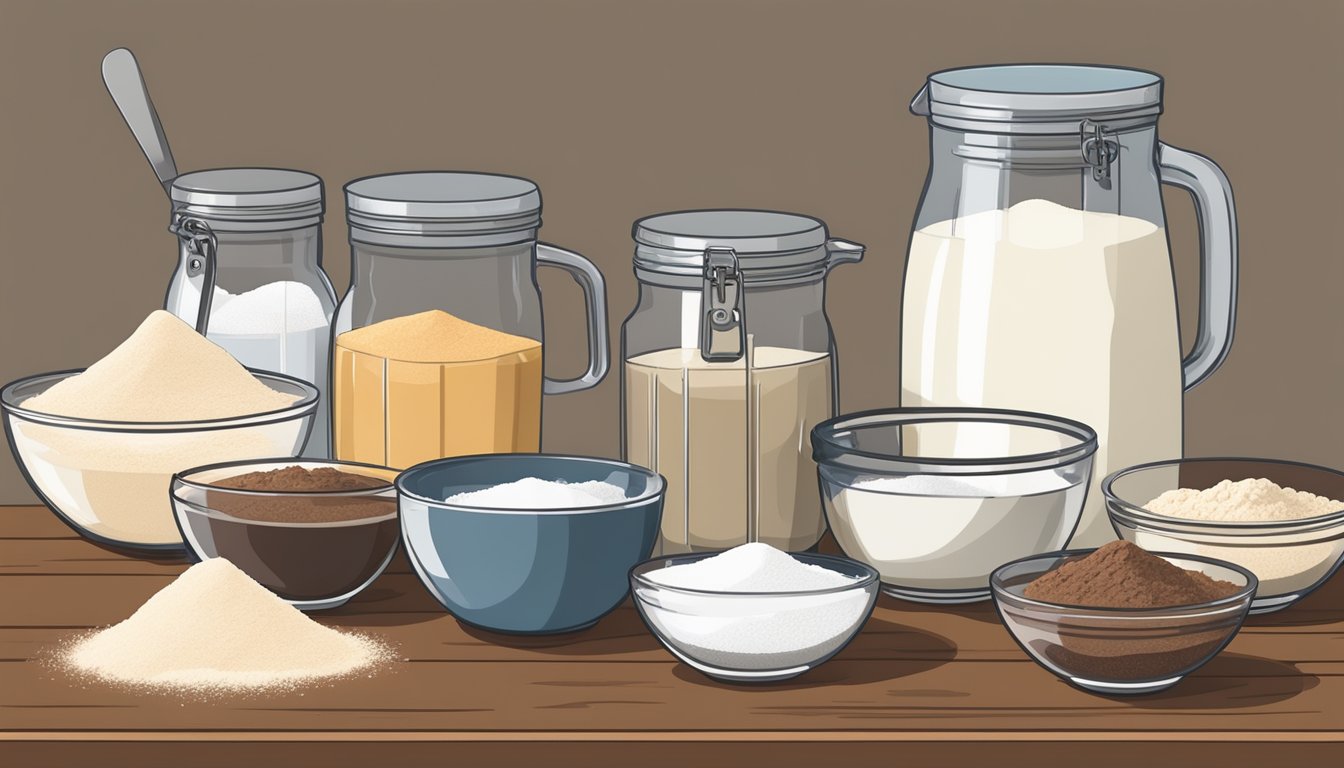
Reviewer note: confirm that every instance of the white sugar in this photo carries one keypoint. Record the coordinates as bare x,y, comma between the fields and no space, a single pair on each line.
754,567
535,493
284,306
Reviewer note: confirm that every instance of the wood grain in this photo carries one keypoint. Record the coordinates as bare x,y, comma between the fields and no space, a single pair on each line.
946,685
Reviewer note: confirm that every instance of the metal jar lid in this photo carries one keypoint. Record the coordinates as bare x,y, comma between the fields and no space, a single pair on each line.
249,199
767,244
473,209
1039,98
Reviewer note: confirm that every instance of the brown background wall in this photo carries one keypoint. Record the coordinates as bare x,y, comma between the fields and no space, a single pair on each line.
619,109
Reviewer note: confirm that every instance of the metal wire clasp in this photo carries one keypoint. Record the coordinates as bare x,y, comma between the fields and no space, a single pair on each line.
1100,150
202,249
722,335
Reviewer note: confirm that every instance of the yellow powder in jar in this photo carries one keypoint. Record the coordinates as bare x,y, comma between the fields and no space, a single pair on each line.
430,385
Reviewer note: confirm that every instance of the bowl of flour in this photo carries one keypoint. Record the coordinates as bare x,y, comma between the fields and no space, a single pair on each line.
1281,520
754,613
100,445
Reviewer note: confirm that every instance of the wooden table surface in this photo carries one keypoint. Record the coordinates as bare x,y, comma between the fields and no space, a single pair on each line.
917,686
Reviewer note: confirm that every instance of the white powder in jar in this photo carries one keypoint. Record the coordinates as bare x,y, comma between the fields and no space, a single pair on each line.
1250,500
214,628
285,306
535,493
755,632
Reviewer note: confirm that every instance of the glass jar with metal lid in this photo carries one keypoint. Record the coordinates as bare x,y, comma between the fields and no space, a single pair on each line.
438,343
249,274
729,362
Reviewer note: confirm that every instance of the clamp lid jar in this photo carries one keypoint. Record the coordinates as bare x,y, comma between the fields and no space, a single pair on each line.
729,363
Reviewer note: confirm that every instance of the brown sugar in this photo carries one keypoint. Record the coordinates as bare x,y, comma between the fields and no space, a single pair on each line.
433,337
1122,575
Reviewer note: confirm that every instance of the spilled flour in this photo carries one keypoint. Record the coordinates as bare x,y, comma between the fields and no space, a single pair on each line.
215,629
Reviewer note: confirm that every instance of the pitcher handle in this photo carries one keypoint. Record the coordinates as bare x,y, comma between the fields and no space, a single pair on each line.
586,274
1217,214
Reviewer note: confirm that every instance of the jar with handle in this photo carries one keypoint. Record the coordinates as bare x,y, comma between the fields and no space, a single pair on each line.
1039,275
438,342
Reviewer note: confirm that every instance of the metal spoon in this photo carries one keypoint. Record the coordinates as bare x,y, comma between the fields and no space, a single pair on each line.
121,75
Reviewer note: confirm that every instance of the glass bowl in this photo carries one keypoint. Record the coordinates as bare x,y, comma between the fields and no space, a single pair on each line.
311,565
1120,650
936,498
1289,557
108,480
527,571
755,636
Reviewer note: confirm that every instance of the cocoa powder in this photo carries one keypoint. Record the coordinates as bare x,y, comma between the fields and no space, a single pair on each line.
1123,575
300,508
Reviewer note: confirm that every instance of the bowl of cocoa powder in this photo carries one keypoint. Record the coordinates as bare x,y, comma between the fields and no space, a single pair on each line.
1119,619
315,533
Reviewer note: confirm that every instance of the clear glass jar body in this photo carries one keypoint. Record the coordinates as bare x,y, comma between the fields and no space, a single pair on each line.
733,439
271,307
1040,281
398,413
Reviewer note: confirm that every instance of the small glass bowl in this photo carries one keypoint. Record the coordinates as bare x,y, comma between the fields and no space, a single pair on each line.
936,498
755,636
1120,650
108,480
311,565
1289,557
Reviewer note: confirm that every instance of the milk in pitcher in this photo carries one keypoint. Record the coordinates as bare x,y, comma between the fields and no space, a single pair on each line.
1046,308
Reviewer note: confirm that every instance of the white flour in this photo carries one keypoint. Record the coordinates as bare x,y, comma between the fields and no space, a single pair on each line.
216,628
535,493
1250,500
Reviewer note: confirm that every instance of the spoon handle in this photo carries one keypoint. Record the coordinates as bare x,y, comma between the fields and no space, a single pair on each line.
121,75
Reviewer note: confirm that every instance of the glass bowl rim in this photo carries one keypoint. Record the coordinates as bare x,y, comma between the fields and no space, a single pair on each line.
1244,594
308,402
824,439
657,484
1117,506
638,571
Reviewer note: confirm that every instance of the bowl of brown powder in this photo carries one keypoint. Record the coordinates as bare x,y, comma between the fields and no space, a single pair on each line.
99,445
1281,520
316,533
1118,619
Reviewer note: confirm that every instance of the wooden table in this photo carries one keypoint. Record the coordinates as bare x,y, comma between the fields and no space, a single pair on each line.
918,686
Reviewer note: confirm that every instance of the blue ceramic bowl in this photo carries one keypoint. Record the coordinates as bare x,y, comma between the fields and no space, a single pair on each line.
531,571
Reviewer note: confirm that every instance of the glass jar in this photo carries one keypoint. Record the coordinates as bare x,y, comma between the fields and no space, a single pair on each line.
1039,276
250,242
438,342
729,363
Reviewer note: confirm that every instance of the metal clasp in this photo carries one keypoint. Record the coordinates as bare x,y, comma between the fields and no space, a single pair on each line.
723,336
202,249
1100,150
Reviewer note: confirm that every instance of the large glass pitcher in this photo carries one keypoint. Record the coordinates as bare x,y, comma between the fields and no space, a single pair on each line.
729,364
437,346
1039,276
249,273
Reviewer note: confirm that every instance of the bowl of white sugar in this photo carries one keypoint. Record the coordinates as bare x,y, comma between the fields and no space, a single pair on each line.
936,498
528,543
754,613
1281,520
100,445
